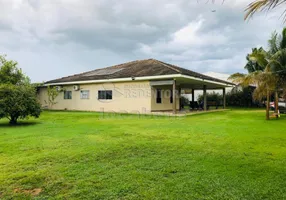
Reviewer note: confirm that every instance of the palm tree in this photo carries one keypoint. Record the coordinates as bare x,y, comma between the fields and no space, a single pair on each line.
266,70
264,81
277,48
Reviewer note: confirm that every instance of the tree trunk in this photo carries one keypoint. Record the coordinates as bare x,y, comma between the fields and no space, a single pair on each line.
267,105
13,120
276,103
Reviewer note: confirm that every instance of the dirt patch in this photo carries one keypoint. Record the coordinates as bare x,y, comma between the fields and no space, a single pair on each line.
33,192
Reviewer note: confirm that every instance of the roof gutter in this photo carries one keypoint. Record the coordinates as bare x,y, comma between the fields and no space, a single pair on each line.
172,76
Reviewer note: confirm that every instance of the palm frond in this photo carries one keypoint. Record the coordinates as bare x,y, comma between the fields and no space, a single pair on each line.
237,78
265,82
244,79
252,65
259,93
260,58
273,43
283,39
254,7
261,5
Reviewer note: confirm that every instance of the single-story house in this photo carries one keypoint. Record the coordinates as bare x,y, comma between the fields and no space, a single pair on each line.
141,86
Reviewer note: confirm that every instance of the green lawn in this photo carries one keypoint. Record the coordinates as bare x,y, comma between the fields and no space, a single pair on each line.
79,155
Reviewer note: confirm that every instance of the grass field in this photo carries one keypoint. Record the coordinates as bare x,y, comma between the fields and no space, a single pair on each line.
79,155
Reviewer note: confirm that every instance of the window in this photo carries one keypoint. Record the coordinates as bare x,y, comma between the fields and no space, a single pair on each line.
84,94
171,96
159,96
67,94
104,94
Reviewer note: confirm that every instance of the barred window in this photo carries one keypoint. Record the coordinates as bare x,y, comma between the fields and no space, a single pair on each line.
67,94
105,94
84,94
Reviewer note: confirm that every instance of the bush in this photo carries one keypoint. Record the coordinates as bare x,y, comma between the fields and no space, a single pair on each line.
242,97
18,98
184,101
18,102
215,97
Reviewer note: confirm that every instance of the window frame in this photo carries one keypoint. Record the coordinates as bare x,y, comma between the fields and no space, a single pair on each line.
88,94
104,95
159,97
67,95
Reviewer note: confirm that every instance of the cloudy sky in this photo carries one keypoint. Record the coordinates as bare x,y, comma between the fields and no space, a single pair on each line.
55,38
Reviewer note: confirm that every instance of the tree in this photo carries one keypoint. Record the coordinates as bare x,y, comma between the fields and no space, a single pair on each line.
18,102
264,81
10,74
277,48
18,98
52,95
272,78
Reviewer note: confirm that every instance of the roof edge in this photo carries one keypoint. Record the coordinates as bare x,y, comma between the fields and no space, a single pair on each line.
179,75
172,68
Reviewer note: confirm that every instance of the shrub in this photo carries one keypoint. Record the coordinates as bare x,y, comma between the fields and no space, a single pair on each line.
18,98
242,97
18,102
215,97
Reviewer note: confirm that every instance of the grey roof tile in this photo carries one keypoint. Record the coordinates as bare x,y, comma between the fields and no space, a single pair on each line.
138,68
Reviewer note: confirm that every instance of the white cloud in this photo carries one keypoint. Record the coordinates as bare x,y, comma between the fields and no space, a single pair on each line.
56,38
221,76
185,39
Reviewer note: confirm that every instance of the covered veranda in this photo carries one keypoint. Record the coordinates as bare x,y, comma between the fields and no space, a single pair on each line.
192,84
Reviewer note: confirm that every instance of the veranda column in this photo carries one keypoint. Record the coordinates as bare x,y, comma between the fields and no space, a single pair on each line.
193,98
205,98
174,96
179,95
224,98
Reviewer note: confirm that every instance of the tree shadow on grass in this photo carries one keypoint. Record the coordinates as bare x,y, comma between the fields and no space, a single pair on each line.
19,124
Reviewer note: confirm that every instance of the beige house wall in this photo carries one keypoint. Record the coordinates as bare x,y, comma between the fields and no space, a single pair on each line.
131,97
166,105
